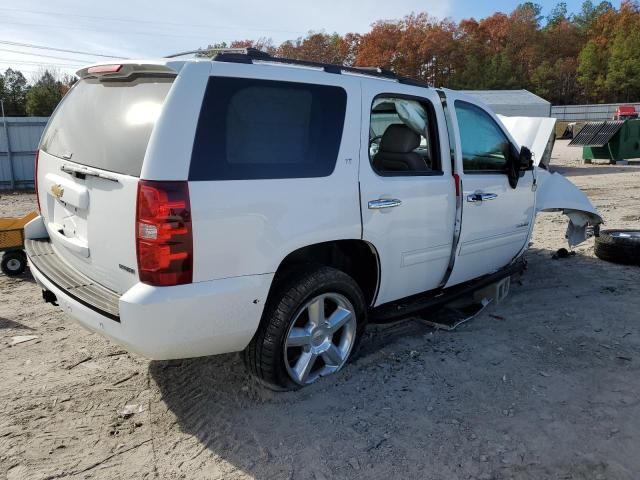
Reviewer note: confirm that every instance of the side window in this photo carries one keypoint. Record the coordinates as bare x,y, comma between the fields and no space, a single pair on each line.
484,146
263,129
403,137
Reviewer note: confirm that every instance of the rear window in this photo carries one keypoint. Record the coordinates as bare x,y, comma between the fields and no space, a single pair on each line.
107,124
262,129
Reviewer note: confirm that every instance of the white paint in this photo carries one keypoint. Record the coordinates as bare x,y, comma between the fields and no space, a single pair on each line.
164,323
169,152
97,218
70,192
413,240
494,231
243,229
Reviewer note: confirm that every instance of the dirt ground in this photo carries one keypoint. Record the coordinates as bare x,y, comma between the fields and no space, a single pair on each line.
543,386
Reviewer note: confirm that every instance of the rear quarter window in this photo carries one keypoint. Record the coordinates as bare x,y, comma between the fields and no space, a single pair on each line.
262,129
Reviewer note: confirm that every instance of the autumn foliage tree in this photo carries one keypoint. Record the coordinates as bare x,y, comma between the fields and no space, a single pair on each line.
589,56
592,55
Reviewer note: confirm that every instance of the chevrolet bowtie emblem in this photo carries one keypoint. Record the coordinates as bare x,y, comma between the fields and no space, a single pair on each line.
57,190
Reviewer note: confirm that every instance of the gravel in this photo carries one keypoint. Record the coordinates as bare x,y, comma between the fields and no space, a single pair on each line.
543,386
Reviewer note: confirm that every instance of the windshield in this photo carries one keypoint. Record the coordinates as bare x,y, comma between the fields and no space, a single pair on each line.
107,124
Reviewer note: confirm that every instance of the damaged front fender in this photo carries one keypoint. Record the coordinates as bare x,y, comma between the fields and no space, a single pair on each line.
557,194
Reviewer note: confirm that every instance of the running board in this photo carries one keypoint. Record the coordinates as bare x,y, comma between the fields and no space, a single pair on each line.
390,312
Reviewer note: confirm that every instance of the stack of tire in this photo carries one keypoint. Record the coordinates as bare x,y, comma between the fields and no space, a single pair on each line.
619,246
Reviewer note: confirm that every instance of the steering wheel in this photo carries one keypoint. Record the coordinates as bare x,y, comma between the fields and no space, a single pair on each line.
374,145
375,139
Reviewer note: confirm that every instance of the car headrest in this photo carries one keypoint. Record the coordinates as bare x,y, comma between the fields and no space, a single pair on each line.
399,139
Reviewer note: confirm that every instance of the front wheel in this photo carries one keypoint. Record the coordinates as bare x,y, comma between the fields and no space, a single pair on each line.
311,326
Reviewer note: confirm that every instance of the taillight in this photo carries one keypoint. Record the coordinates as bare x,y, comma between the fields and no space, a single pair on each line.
164,240
35,178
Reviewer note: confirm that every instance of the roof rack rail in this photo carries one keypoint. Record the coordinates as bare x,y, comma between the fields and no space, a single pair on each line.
249,55
377,71
213,52
413,82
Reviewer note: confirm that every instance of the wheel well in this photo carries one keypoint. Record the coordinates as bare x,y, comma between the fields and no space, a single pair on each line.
356,258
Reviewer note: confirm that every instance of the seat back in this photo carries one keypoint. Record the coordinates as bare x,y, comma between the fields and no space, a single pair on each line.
396,153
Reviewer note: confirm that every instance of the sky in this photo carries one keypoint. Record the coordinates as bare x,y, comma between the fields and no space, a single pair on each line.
146,28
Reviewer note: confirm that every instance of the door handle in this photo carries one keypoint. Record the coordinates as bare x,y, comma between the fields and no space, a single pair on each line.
384,203
73,244
481,197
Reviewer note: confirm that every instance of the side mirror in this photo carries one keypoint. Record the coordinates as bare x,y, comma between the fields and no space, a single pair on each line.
525,160
516,166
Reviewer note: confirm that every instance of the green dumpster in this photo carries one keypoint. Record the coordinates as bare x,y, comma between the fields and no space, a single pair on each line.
613,140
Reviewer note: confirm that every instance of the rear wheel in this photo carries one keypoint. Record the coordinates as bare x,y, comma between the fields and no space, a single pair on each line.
13,263
619,246
311,326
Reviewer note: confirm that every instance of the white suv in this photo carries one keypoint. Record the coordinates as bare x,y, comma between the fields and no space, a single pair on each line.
272,206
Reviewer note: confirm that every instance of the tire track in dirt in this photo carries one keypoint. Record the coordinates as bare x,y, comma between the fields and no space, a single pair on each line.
532,388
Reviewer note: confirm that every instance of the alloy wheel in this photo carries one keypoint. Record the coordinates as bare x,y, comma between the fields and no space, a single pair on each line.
320,338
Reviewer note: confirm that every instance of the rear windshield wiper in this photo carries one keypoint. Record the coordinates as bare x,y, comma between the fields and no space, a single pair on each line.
82,172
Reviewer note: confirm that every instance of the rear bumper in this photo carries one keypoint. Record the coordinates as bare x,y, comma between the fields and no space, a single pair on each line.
162,323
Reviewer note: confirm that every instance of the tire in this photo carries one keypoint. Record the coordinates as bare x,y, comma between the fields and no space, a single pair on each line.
13,263
619,246
289,335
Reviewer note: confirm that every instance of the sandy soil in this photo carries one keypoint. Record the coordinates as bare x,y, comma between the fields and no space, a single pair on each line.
543,386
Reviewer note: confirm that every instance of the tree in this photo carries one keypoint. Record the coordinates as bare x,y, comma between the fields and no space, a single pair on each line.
590,13
559,14
609,63
44,95
349,48
623,76
206,52
623,73
417,46
67,81
15,90
523,49
592,55
592,68
529,11
555,76
263,43
317,47
593,59
479,45
378,47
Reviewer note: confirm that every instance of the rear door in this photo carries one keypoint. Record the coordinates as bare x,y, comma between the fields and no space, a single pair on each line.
496,218
407,189
90,159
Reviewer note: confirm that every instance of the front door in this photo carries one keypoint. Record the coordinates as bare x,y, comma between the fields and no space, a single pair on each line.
496,218
407,188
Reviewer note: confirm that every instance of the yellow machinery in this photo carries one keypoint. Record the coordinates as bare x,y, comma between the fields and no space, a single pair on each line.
14,260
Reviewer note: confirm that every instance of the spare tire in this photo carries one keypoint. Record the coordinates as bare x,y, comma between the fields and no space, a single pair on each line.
619,246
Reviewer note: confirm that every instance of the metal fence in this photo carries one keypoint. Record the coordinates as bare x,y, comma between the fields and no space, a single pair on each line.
587,113
19,137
